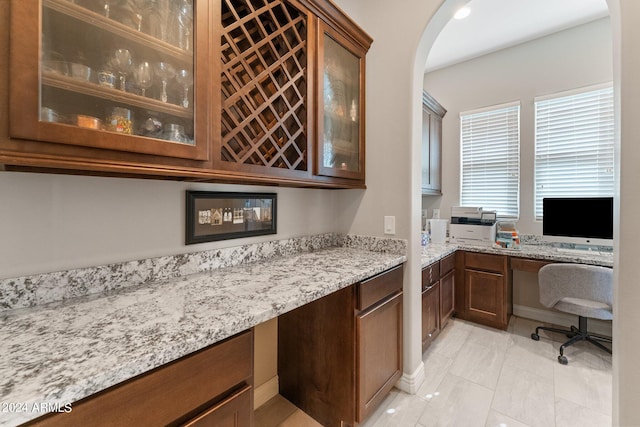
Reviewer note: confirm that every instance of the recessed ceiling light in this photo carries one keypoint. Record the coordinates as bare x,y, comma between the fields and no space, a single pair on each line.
462,13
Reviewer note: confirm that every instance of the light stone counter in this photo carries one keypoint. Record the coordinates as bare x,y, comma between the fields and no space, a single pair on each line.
434,252
63,351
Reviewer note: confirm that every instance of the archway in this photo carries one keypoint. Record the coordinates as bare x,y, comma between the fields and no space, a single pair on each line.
428,37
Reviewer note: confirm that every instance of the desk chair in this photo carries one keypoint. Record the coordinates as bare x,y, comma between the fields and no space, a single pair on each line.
584,290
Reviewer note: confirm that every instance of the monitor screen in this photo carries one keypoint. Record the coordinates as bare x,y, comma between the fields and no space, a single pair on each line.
580,220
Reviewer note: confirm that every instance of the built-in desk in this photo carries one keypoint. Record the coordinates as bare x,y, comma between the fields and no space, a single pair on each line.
484,275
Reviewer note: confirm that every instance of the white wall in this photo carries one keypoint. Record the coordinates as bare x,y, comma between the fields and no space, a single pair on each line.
570,59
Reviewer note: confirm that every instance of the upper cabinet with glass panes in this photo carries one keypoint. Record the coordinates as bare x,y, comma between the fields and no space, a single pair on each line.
118,74
251,91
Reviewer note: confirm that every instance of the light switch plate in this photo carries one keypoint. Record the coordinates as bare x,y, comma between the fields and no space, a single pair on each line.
389,225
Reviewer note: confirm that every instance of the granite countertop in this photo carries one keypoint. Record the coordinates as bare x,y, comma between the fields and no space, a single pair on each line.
434,252
64,351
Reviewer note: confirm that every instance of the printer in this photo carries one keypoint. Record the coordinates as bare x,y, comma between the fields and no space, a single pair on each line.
473,226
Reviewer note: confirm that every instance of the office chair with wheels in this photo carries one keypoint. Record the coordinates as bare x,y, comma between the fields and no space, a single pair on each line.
583,290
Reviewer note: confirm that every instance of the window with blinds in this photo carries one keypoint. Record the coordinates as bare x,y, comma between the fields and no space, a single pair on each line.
574,145
490,159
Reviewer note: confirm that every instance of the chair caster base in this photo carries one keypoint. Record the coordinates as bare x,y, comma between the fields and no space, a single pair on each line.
563,360
535,337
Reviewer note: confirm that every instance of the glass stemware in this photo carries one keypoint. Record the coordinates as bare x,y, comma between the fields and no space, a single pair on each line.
165,72
143,75
106,7
185,23
122,63
185,79
141,10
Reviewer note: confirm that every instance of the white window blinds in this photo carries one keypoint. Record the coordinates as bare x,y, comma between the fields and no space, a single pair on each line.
490,157
574,145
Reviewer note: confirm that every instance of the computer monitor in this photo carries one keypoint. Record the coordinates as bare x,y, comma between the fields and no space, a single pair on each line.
579,220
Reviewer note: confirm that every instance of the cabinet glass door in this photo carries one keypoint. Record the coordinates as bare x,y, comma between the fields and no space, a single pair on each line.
340,107
110,74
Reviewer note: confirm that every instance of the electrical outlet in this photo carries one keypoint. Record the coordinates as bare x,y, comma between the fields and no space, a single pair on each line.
389,225
436,213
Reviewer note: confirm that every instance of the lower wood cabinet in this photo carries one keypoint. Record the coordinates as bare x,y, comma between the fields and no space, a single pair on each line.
430,314
212,387
486,289
447,297
438,297
339,356
379,356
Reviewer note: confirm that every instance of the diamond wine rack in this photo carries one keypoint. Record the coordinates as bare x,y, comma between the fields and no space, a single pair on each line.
264,84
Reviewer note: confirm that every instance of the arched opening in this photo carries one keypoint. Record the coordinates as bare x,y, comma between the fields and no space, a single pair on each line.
430,34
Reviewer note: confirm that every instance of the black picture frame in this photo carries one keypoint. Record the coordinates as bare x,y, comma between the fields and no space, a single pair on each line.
214,215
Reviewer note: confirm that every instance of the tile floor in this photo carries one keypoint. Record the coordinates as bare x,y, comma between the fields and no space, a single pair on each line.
479,376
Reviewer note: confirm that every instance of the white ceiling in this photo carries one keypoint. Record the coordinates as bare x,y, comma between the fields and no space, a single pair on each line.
498,24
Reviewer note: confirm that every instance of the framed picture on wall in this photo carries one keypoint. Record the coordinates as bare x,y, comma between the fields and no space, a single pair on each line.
215,215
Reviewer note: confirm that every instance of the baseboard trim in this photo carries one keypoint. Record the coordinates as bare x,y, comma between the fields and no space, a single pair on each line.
265,392
562,319
409,383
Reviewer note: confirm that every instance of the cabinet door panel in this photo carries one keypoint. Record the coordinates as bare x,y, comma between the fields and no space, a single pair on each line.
435,153
430,274
340,115
485,297
265,88
447,297
379,343
77,82
430,315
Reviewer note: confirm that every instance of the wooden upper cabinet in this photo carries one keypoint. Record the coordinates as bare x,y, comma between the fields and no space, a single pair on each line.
242,91
432,115
340,108
265,85
111,75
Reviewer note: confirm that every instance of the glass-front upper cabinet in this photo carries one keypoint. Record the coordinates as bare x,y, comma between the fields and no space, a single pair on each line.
340,144
124,75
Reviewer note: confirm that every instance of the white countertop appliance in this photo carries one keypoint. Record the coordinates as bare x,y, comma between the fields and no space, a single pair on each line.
472,225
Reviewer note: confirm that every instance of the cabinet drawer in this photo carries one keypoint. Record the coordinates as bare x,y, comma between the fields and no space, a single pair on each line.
168,393
486,262
529,265
379,287
430,275
447,264
234,411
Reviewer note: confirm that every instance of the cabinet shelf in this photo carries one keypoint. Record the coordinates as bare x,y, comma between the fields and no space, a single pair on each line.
71,84
116,28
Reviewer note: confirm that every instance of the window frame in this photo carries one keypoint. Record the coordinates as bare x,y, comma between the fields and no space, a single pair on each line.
604,183
513,109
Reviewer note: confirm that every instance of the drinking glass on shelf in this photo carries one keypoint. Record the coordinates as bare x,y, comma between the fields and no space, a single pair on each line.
122,63
143,75
165,72
185,24
106,7
185,79
141,9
